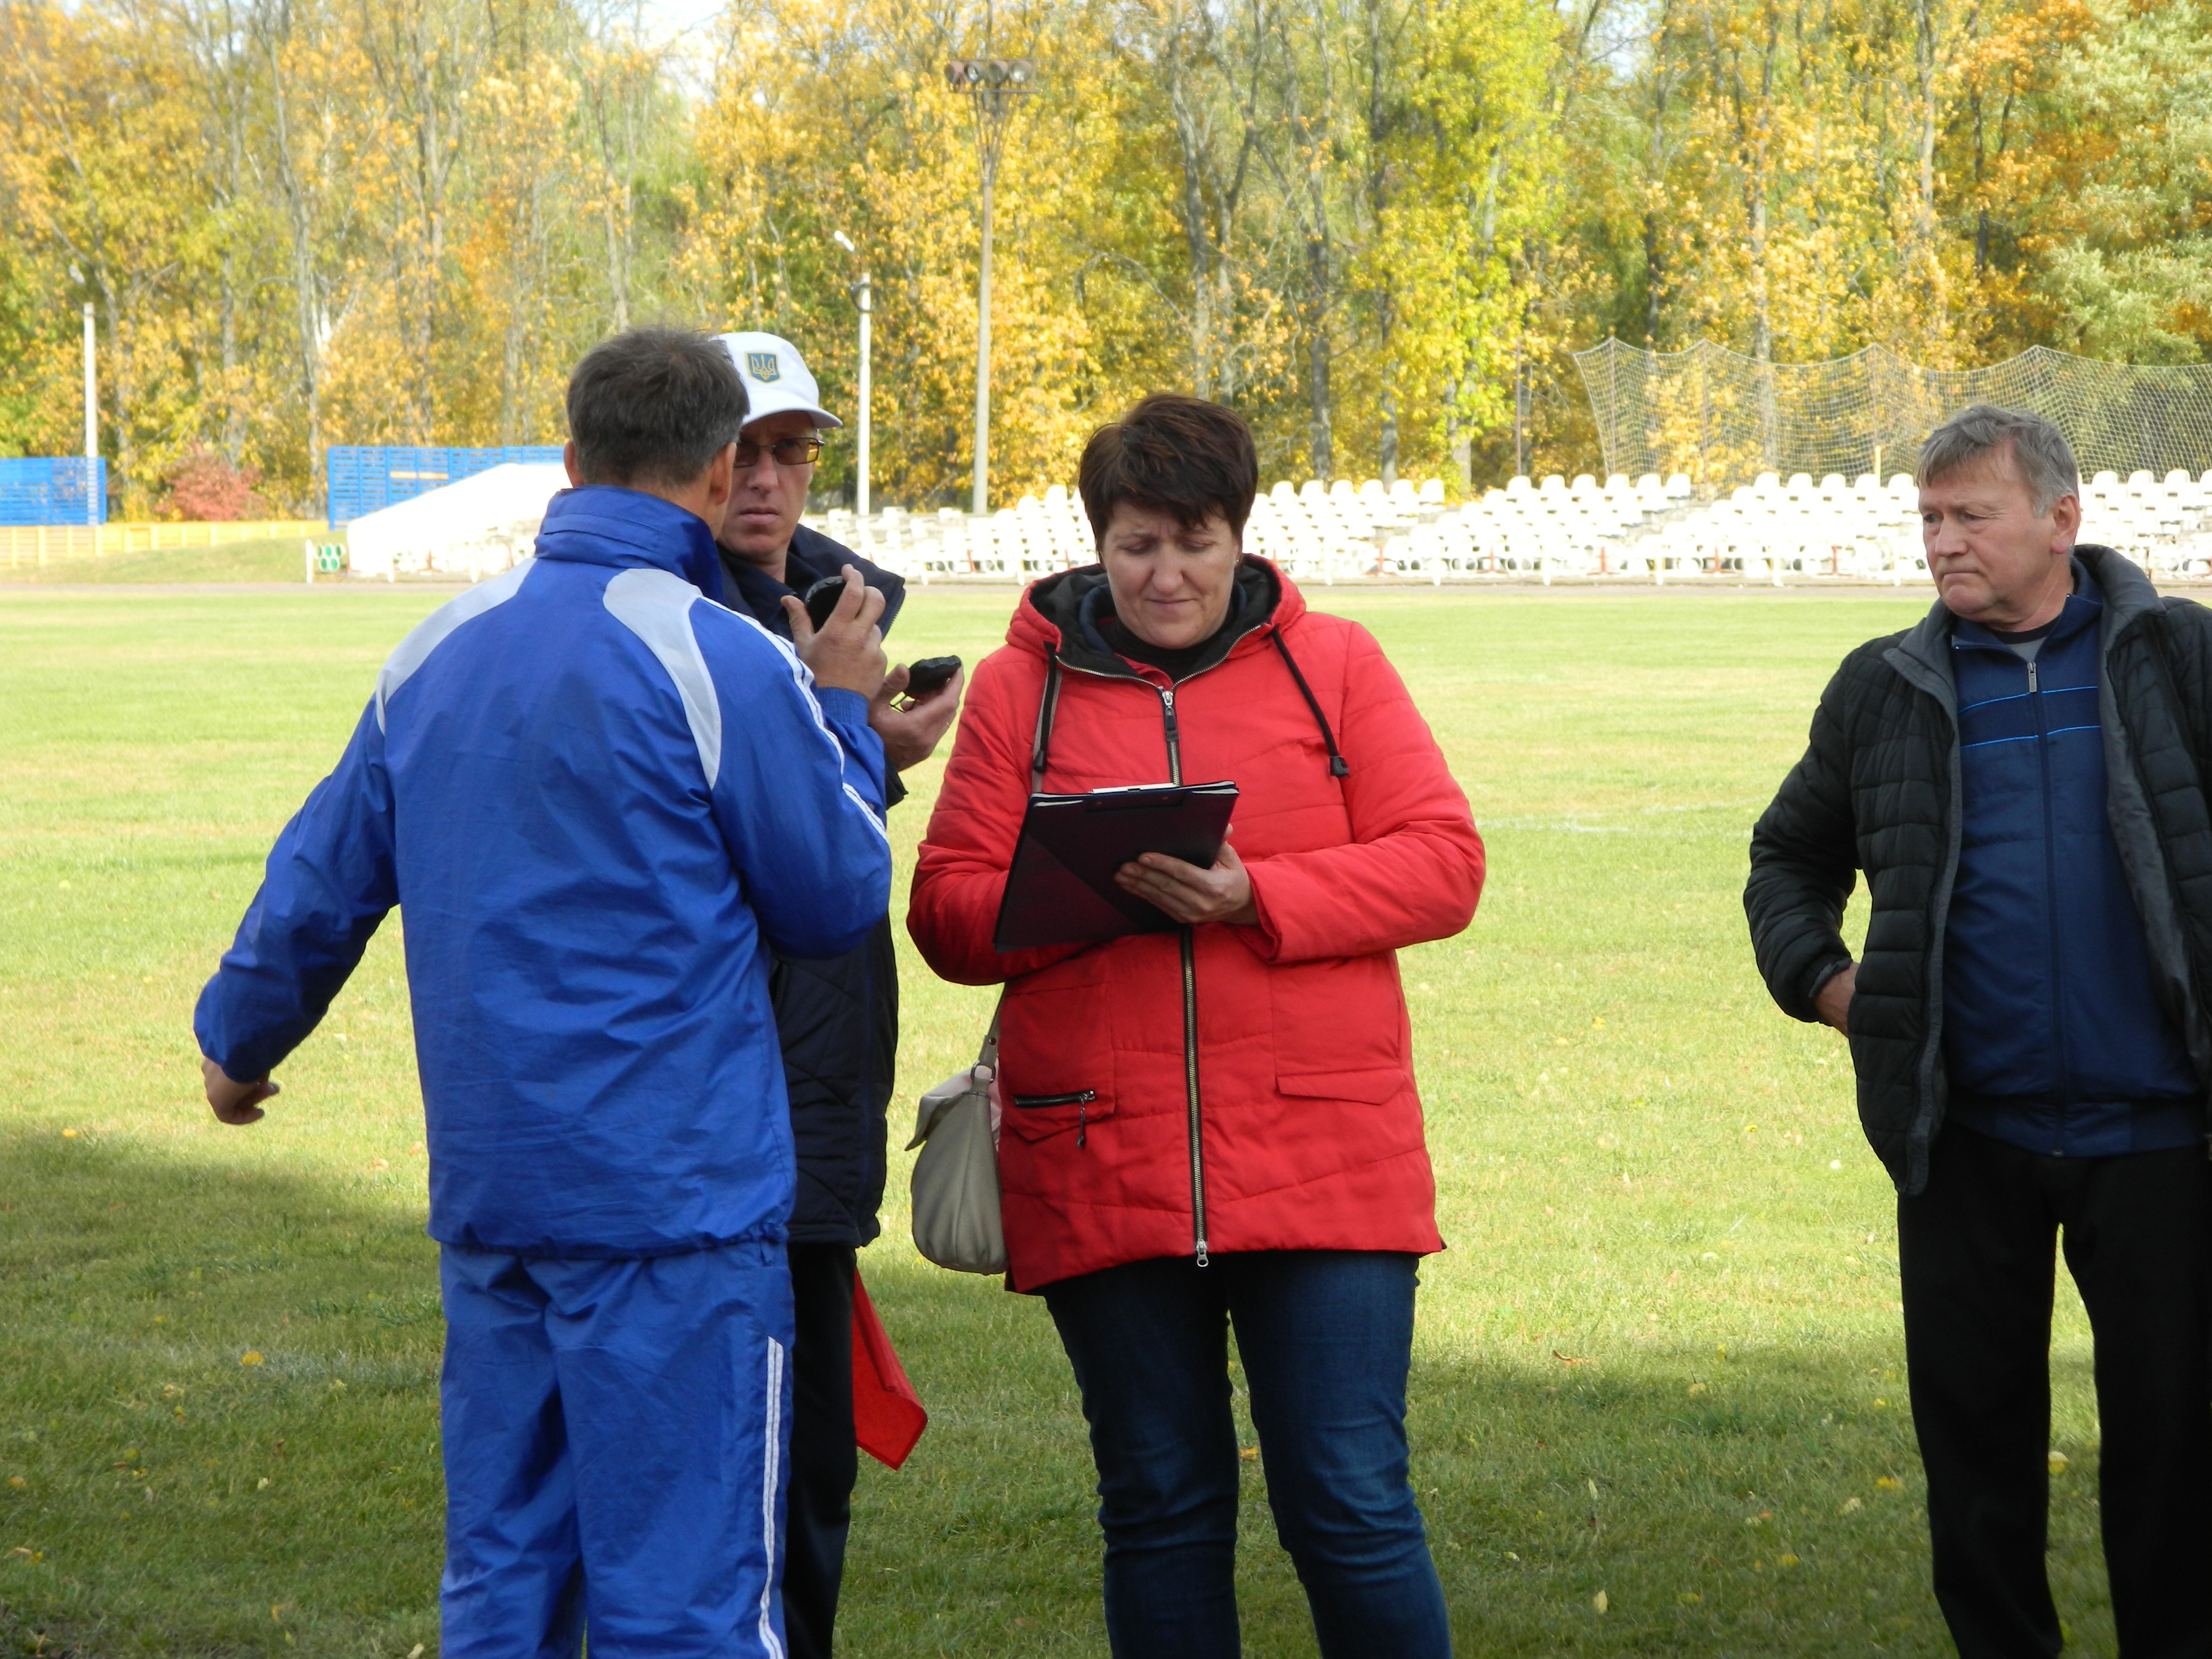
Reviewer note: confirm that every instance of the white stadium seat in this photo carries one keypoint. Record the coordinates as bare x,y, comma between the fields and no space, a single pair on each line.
1646,530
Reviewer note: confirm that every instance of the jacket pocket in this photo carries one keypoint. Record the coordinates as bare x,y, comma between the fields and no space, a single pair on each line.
1036,1117
1340,1029
1056,1051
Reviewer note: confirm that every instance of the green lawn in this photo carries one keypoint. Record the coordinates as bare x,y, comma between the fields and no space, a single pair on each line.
279,559
1658,1399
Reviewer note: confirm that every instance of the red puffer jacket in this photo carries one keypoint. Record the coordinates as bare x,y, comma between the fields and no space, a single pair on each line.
1298,1127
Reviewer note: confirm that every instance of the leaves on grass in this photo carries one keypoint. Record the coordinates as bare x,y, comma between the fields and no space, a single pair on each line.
1569,1359
1599,1601
2057,1462
250,1357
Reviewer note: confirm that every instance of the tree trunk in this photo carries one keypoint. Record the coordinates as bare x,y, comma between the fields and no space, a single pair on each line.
1459,440
308,311
1321,443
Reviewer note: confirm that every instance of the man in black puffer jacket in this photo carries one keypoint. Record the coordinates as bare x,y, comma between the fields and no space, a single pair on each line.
837,1018
2021,778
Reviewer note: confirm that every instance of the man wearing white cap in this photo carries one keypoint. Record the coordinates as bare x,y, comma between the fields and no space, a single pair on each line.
837,1018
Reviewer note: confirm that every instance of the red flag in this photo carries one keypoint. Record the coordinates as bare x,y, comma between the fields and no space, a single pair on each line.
887,1414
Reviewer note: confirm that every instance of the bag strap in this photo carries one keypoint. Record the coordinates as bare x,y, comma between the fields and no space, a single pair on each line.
990,1054
1040,746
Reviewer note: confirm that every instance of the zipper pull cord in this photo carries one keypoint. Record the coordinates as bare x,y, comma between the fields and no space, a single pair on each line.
1047,707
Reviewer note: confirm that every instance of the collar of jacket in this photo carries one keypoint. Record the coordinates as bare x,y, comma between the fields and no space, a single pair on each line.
1050,618
811,557
606,525
1923,654
2084,605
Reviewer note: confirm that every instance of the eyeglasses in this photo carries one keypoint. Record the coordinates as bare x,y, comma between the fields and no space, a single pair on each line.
788,452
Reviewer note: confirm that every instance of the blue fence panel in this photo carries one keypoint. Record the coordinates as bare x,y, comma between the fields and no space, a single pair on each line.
63,490
363,478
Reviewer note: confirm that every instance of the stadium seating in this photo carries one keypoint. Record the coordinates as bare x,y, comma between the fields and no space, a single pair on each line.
1645,529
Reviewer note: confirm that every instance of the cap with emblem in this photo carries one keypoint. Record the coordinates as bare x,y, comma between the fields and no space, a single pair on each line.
776,378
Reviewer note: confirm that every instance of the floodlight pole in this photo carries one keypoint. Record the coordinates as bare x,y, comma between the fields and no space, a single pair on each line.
92,504
866,293
991,86
91,391
867,307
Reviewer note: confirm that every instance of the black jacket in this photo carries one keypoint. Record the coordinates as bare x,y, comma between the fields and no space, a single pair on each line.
837,1016
1878,790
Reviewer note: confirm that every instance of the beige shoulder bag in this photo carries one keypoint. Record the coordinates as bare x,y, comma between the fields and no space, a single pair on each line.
955,1180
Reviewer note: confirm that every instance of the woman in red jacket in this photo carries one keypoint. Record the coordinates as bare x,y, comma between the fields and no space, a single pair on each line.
1217,1124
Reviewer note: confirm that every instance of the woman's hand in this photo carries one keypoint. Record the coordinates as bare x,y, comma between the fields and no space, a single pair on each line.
1191,895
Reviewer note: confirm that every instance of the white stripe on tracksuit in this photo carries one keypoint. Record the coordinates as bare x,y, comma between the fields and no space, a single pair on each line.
771,1479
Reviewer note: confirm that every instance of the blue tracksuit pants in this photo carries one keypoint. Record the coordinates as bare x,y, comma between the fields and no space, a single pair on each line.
615,1436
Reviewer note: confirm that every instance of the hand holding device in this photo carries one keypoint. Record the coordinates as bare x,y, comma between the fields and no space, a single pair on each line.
821,600
926,678
910,729
847,650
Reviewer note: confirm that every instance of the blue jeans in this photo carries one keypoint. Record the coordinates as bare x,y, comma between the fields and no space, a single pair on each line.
1326,1337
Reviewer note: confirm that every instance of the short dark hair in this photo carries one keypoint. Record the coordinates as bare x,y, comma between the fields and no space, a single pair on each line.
653,405
1174,454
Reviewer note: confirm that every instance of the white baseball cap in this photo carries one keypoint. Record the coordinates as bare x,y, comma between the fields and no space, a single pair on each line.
776,378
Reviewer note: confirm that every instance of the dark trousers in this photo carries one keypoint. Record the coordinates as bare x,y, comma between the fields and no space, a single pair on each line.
1975,1252
1326,1338
824,1463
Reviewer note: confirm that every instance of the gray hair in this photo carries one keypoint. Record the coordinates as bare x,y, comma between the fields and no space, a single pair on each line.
2040,453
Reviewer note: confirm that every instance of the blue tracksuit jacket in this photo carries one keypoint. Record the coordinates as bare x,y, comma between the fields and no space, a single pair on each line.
599,797
2054,1038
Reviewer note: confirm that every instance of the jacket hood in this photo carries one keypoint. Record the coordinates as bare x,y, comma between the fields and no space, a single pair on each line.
628,529
1052,616
2127,593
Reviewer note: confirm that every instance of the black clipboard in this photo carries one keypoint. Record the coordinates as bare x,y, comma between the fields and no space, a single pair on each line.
1061,888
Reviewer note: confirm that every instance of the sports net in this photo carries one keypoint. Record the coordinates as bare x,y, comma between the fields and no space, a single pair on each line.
1721,418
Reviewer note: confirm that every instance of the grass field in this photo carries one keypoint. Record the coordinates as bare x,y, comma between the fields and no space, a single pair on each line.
275,560
1658,1399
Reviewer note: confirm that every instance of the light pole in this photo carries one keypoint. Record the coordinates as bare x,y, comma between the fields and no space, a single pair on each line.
867,297
93,503
992,86
91,391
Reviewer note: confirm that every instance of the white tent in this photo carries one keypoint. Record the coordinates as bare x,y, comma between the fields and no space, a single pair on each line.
475,526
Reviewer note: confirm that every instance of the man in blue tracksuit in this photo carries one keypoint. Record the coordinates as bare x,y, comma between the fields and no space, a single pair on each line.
602,798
